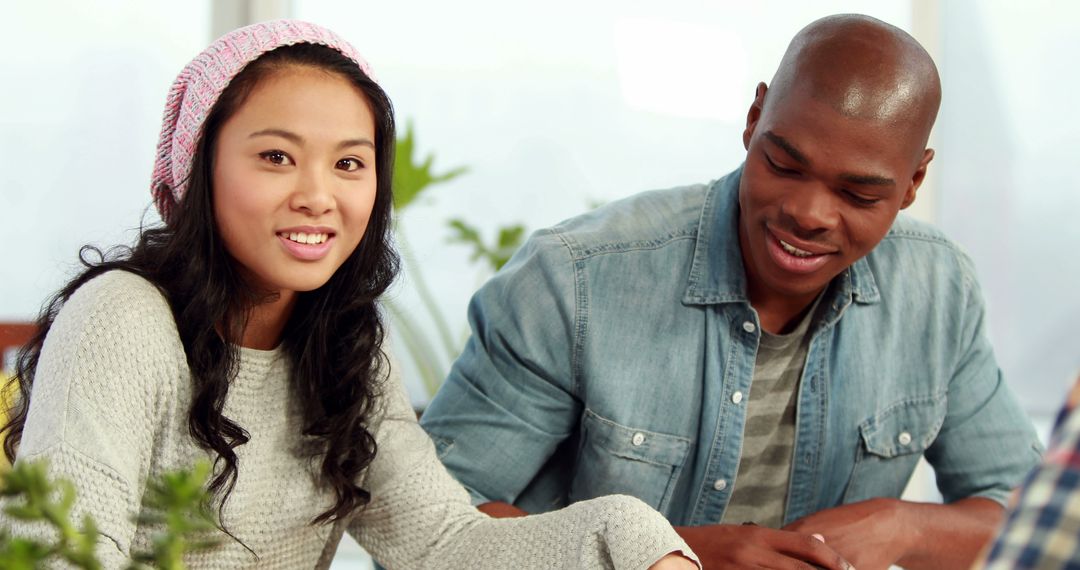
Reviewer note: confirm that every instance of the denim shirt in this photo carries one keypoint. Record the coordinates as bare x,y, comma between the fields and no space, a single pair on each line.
614,354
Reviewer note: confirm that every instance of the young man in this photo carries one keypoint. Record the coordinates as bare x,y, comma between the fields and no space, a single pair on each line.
775,347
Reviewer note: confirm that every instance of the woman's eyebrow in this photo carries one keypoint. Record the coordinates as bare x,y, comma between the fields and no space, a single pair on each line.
287,135
356,142
299,140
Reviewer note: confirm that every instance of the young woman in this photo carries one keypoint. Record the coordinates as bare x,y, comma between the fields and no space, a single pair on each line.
246,331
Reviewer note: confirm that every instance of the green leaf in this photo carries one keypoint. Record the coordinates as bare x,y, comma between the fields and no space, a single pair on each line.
468,235
507,242
24,512
413,176
510,236
179,502
36,498
22,554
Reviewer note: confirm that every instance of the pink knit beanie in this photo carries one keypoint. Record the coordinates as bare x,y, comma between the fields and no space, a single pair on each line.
200,84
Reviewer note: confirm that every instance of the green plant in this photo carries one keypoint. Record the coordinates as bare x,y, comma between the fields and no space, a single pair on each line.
177,501
506,242
413,177
48,502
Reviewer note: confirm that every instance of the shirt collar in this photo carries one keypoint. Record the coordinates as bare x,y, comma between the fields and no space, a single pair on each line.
717,274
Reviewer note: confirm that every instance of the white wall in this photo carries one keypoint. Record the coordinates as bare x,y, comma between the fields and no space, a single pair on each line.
1009,184
83,89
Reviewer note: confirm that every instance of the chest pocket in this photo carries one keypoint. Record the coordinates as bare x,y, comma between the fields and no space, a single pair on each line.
618,459
891,443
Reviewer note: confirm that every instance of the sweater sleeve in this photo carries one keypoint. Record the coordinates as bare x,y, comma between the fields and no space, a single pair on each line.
420,517
109,353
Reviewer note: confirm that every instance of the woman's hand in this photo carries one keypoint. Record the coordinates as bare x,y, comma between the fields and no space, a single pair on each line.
674,561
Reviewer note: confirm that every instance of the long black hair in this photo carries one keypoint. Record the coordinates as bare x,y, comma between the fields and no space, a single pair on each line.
334,334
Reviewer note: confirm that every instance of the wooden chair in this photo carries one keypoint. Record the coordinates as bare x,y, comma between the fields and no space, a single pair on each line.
12,336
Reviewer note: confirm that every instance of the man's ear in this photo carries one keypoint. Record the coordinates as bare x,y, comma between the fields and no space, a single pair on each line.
917,179
754,114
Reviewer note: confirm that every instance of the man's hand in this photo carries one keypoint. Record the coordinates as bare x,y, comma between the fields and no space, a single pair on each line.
501,510
871,534
877,533
749,546
674,562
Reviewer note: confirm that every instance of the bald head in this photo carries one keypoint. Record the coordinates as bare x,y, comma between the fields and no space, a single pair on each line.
863,68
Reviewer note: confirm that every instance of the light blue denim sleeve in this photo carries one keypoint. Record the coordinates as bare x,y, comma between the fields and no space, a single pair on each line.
509,399
987,445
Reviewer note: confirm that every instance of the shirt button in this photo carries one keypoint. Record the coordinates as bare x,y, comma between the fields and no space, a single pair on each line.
719,485
736,397
638,439
749,327
904,438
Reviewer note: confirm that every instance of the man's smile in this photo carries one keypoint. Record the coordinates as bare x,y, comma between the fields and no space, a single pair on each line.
794,255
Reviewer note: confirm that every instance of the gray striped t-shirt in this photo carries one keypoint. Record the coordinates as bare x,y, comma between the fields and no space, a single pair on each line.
761,484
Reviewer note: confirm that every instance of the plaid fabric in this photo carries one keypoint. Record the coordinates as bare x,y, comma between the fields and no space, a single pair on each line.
1043,528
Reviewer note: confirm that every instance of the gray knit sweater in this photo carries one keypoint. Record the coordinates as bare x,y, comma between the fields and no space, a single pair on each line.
109,409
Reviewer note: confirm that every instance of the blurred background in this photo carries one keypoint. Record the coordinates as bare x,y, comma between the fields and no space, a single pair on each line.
544,110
